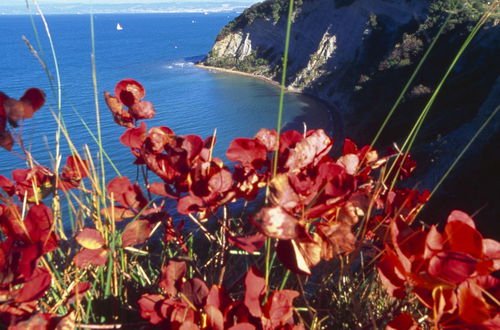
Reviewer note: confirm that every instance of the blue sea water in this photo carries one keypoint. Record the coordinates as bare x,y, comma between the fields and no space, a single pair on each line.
156,49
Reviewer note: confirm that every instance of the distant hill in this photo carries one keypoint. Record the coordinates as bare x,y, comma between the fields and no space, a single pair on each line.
166,7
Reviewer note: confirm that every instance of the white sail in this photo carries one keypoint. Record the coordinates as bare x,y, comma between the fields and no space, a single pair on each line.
119,27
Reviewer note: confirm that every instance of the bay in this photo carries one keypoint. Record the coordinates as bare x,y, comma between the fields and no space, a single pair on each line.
159,51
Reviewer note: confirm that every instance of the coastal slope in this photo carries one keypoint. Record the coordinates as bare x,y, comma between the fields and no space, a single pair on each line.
357,55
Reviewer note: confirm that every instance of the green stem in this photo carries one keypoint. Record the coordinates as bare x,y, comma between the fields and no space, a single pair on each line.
283,82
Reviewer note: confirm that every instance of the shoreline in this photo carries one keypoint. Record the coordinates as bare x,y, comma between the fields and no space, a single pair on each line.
246,74
337,128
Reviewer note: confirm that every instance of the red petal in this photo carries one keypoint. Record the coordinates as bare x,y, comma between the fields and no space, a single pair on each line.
254,289
136,232
90,238
129,91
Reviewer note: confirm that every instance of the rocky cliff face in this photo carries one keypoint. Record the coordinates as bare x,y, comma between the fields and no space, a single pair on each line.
358,54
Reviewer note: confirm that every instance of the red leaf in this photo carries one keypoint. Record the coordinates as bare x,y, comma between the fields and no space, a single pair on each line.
78,166
220,181
472,307
242,326
118,213
215,319
120,116
157,138
136,232
289,139
90,239
39,223
162,189
392,274
337,238
35,286
254,289
33,98
249,244
14,109
491,252
142,110
218,297
461,237
149,307
249,152
276,223
279,307
134,137
196,291
461,216
79,290
282,193
403,321
7,185
6,140
88,257
451,266
189,204
171,277
299,256
269,138
350,147
126,194
129,91
309,151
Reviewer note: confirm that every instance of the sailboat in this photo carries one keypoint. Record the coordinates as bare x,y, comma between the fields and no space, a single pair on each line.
119,27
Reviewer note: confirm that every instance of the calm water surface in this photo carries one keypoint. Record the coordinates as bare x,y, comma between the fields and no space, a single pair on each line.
156,49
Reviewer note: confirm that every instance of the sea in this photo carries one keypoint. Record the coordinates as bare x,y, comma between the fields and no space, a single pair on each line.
158,50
